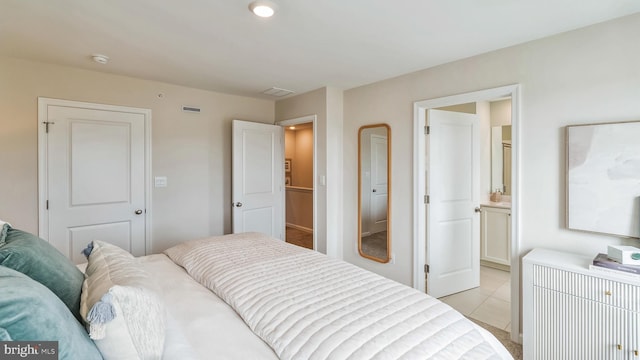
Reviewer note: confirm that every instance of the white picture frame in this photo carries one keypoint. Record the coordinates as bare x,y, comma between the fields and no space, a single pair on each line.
603,178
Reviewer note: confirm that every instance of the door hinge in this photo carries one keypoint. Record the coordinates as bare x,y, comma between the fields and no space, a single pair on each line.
47,204
46,125
426,199
427,130
426,268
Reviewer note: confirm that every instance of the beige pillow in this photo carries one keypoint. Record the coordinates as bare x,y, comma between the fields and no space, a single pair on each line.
121,306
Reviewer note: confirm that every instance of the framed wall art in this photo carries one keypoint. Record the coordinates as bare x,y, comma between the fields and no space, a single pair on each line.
603,178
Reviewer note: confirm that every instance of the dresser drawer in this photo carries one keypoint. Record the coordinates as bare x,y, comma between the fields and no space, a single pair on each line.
589,287
573,313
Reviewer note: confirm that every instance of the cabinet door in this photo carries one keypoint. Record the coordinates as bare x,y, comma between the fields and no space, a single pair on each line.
570,327
495,239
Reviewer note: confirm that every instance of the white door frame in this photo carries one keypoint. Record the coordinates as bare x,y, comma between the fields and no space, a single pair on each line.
419,187
43,214
303,120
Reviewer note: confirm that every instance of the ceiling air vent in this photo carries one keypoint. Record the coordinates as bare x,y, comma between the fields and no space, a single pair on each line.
277,92
191,109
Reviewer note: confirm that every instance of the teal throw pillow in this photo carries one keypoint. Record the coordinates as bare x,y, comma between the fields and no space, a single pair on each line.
31,312
36,258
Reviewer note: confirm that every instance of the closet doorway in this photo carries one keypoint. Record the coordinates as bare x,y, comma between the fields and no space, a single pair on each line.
299,180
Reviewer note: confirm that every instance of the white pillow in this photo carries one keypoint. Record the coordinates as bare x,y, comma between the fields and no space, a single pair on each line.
121,306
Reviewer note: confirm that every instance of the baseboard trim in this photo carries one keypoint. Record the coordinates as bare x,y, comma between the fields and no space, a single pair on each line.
301,228
495,265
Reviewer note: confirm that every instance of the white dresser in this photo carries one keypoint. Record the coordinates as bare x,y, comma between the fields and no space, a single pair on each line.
571,312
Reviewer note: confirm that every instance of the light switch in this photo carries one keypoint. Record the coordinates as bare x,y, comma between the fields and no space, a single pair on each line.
161,181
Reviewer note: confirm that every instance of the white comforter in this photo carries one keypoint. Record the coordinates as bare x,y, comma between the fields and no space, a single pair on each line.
306,305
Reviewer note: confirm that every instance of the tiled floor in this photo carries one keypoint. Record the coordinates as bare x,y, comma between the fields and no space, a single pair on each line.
489,303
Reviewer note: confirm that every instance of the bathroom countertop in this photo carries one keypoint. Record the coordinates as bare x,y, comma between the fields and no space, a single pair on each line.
501,204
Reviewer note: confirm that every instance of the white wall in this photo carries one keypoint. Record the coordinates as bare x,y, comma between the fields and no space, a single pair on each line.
335,156
192,150
484,113
584,76
501,112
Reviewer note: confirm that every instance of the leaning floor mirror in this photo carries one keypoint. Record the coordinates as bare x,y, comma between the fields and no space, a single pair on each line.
374,192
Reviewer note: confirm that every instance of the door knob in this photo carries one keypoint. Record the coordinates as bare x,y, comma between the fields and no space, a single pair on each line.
477,210
238,204
138,212
374,190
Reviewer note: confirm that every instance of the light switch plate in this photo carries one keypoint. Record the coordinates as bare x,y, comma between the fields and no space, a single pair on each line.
160,181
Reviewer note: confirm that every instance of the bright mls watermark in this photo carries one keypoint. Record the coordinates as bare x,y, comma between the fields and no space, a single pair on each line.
32,350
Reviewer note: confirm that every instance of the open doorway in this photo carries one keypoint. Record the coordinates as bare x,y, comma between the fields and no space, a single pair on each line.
423,259
489,300
299,180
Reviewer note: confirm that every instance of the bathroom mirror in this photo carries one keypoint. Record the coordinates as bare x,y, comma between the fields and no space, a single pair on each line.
374,192
501,159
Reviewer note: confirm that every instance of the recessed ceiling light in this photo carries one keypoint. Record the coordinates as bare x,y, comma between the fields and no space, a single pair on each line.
262,8
100,59
292,127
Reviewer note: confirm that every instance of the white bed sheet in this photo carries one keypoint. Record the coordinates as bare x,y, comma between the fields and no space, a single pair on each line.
199,324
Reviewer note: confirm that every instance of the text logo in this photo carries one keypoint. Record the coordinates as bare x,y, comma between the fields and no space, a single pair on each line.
31,350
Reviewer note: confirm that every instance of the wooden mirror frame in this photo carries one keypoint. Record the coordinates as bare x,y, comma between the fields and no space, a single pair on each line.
387,258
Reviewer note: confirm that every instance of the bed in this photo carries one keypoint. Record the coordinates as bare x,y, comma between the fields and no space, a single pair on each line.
241,296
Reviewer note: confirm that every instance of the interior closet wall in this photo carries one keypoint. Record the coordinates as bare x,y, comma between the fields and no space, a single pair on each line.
299,192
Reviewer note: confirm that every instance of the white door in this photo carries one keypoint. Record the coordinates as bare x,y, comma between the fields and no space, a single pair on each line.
378,183
94,176
453,226
258,178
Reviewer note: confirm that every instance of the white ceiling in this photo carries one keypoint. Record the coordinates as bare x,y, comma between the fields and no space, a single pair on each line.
219,45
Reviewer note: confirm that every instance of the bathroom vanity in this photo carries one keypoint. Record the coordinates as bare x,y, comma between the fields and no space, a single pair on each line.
495,235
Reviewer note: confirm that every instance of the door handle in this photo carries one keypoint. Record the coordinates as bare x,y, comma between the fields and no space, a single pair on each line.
238,204
374,190
138,212
477,210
